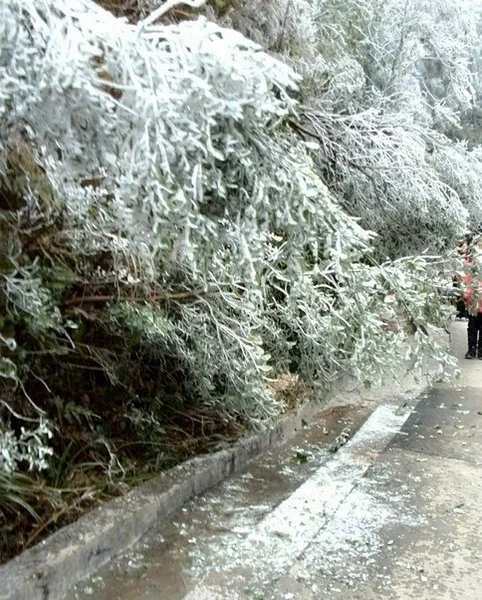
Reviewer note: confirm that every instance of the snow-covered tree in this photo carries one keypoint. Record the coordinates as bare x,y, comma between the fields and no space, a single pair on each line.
182,219
390,83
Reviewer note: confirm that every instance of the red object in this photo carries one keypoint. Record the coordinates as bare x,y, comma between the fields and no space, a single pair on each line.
470,290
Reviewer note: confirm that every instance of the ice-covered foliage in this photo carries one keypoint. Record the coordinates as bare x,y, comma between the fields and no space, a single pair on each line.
30,447
169,239
382,172
392,82
421,55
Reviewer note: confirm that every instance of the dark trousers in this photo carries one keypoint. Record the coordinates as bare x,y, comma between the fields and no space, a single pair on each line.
462,312
474,333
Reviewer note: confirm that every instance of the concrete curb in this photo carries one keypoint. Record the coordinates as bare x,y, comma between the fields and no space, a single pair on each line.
51,568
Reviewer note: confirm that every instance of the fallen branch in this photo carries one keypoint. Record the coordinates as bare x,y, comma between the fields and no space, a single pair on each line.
108,298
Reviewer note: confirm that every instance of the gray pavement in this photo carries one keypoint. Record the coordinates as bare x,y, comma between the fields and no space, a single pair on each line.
394,513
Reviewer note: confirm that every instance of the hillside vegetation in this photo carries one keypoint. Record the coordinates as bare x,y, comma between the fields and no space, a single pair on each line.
200,201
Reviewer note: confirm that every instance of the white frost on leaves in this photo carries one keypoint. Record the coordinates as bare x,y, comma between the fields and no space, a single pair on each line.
167,148
29,447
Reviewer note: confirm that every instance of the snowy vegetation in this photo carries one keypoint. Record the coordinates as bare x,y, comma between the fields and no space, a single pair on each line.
195,205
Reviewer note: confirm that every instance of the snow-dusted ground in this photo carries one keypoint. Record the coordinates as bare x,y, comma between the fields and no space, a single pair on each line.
394,513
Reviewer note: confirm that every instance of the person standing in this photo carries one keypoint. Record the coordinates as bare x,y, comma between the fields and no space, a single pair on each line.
460,305
472,296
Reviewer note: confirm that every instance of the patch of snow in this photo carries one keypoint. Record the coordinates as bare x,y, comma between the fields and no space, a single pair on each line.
329,516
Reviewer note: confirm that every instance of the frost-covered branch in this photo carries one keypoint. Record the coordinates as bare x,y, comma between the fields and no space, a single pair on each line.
385,171
166,7
140,163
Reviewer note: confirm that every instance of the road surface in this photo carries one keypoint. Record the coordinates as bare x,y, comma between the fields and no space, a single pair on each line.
393,514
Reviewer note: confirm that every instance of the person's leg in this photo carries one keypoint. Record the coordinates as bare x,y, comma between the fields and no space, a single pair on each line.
461,309
472,331
479,331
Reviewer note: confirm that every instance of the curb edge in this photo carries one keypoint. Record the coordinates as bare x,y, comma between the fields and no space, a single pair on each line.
50,569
